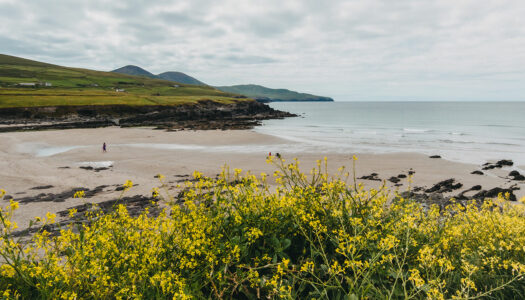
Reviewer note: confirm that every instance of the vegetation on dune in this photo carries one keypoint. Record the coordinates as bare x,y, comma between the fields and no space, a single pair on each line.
73,86
312,236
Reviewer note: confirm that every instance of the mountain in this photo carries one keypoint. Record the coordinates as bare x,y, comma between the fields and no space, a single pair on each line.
28,83
171,76
134,70
180,77
264,94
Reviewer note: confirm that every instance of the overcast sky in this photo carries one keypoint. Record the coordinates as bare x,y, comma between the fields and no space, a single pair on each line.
349,50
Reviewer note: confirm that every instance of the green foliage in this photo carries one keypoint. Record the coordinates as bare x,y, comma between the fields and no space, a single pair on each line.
73,86
308,237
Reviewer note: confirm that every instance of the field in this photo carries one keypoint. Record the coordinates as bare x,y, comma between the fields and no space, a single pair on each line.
73,86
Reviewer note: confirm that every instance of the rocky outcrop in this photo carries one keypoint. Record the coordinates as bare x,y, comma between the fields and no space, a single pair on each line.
206,114
499,164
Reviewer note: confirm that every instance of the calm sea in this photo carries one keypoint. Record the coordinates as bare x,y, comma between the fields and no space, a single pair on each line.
471,132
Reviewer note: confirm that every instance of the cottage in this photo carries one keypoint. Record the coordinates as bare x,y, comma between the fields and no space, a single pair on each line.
119,90
27,84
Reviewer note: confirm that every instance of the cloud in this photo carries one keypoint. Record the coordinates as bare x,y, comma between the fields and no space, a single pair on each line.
351,50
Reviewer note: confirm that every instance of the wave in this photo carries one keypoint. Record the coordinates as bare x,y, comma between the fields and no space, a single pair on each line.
416,130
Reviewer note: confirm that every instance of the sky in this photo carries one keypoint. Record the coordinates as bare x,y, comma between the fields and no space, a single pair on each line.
402,50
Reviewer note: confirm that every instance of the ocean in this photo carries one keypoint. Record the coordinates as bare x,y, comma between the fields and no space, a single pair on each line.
471,132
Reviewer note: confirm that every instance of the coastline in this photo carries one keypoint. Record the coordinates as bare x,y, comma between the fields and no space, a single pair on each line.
53,162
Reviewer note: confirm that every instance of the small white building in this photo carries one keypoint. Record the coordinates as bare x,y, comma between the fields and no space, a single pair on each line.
27,84
120,90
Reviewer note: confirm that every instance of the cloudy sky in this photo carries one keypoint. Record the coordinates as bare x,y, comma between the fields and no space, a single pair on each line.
350,50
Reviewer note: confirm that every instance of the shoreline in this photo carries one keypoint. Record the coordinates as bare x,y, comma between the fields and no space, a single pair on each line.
139,154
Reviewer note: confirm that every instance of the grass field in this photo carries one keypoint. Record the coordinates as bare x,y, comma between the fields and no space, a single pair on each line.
73,86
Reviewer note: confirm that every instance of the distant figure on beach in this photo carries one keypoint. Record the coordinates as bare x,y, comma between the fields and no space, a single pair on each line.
278,155
104,147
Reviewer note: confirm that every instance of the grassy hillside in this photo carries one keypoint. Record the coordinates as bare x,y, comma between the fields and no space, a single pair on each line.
257,91
74,86
180,77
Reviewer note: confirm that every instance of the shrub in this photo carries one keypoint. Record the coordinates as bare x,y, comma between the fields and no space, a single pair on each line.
313,236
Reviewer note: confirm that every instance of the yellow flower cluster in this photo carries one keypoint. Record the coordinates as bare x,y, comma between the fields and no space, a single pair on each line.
308,237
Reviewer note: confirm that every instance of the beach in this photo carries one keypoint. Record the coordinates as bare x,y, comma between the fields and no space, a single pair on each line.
51,162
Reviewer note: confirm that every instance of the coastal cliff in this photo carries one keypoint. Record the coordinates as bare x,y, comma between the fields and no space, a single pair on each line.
202,115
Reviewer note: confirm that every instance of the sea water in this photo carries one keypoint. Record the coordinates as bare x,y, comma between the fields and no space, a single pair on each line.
472,132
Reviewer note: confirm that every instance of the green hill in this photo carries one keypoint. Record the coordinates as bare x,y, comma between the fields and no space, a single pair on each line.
26,83
178,77
265,94
134,70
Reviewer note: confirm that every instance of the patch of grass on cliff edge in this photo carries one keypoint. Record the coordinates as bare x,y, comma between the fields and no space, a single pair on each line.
73,86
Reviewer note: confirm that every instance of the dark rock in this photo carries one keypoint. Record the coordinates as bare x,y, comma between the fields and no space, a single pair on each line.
516,175
205,114
505,162
475,188
86,167
61,197
493,193
435,156
394,179
499,164
444,186
66,167
372,176
42,187
401,176
477,172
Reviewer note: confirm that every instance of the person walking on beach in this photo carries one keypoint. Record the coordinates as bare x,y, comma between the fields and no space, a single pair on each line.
104,147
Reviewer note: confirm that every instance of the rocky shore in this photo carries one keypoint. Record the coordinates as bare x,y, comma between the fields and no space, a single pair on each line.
203,115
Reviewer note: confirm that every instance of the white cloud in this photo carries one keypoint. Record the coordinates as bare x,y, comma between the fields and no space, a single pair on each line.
351,50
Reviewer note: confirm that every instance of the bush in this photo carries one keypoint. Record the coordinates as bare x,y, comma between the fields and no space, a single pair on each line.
309,237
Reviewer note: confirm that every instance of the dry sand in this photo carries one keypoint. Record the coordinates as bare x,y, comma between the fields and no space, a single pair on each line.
138,154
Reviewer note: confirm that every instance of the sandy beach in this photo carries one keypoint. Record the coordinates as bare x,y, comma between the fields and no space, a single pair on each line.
57,161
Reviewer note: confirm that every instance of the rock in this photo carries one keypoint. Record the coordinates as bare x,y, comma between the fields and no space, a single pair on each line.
42,187
493,193
444,186
86,167
61,197
499,164
372,176
401,176
205,115
435,156
475,188
505,162
394,179
516,175
477,172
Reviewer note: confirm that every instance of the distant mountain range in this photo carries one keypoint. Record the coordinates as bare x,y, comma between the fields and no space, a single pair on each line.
258,92
171,76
